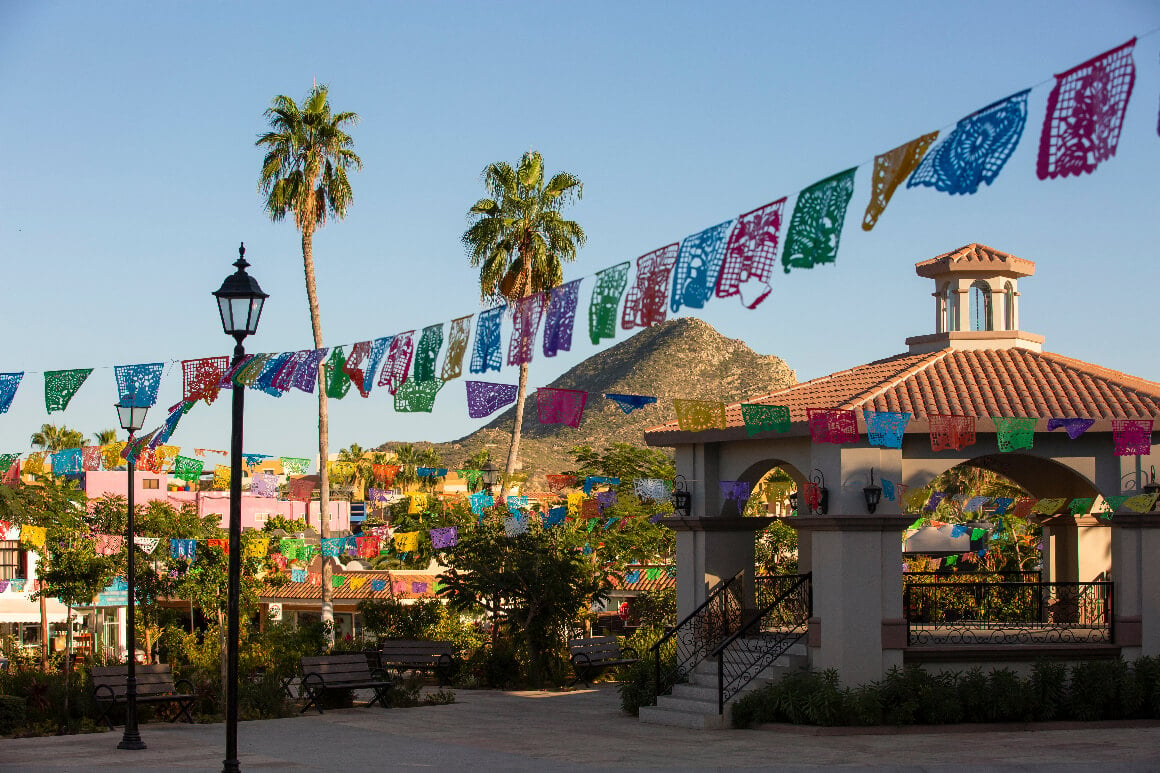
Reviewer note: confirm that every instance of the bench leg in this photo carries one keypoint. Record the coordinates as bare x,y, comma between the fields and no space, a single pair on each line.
380,697
313,698
182,712
104,717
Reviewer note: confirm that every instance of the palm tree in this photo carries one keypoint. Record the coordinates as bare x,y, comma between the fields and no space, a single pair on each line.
308,153
105,436
52,438
359,457
518,239
408,459
429,457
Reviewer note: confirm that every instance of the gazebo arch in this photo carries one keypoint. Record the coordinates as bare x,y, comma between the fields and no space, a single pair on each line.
975,376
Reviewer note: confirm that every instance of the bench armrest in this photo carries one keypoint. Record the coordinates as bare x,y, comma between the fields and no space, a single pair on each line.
382,675
629,652
98,695
191,689
314,681
581,659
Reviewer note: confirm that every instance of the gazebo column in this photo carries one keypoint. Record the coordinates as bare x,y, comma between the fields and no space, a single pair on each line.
857,625
1136,573
710,550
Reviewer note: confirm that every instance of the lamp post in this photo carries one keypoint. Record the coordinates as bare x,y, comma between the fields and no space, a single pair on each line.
240,302
132,419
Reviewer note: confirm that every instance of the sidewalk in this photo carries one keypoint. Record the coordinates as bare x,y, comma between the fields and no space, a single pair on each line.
582,730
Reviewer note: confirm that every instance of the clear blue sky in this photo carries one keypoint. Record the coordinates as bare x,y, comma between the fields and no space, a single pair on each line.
130,171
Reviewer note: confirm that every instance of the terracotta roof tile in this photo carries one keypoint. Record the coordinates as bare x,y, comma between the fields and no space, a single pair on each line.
981,383
975,257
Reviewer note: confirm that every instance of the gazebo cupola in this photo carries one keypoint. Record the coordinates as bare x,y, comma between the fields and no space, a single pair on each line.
976,301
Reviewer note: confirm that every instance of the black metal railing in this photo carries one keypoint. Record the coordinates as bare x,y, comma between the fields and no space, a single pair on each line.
968,576
955,613
689,642
766,636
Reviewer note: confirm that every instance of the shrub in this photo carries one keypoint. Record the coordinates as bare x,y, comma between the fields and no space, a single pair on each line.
1097,690
1009,697
12,714
1102,689
638,681
1047,690
263,698
495,666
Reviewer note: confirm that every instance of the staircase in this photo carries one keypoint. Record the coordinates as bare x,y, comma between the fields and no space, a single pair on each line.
693,704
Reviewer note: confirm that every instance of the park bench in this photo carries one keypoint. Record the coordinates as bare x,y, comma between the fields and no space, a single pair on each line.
328,673
155,685
592,655
428,656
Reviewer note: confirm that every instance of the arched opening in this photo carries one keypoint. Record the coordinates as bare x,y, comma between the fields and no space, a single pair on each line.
982,315
775,547
1009,306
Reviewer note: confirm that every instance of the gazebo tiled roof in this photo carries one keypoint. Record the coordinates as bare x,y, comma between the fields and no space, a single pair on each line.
975,257
981,383
980,374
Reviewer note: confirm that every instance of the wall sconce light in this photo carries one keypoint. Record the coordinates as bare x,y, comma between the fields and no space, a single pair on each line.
817,498
872,493
682,498
1152,487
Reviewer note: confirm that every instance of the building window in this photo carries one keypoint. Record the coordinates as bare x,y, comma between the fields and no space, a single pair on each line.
150,483
13,560
261,517
981,315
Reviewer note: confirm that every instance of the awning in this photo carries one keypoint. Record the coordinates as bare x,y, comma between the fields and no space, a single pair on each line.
19,609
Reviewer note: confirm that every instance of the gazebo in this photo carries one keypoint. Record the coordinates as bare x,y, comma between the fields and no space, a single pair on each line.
977,366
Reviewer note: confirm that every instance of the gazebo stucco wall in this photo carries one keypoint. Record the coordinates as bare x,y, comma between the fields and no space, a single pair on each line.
855,557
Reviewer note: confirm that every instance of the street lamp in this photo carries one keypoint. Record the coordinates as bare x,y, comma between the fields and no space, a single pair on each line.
240,301
489,471
132,418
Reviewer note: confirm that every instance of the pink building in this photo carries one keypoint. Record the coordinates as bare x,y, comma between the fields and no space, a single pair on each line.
255,510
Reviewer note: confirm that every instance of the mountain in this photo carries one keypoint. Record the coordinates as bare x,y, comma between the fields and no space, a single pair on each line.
683,357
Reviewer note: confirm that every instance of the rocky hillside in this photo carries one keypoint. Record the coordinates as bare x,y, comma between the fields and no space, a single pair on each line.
683,357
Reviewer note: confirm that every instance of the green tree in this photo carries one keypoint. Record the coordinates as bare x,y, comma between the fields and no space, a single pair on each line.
67,560
407,457
429,457
518,239
534,585
304,174
104,437
52,438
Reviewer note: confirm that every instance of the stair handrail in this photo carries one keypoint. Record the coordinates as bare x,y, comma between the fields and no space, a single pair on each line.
777,645
715,593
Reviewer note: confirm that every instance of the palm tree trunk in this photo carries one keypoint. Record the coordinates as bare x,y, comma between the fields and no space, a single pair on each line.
514,449
327,612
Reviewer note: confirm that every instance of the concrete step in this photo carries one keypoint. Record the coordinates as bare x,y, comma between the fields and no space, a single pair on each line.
693,705
700,691
694,720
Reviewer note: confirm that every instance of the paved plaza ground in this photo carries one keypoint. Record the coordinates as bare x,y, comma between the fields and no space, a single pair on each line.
581,730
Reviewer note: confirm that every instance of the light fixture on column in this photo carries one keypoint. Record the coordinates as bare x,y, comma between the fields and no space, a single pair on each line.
682,498
873,494
818,500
